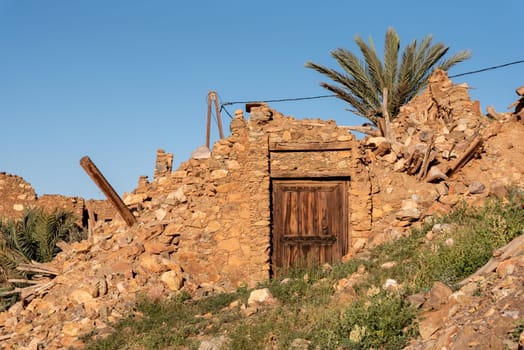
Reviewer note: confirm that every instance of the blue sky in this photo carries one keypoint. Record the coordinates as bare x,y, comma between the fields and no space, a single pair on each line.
116,80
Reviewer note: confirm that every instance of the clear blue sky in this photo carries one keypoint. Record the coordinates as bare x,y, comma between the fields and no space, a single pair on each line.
116,80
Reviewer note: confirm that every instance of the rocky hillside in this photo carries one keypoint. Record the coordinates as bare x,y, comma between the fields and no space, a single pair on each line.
483,313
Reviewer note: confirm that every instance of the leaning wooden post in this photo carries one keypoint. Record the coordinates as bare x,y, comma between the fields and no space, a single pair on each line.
212,95
90,218
108,190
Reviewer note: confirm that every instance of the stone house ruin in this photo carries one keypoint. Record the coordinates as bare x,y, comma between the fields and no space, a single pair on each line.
17,194
278,192
281,192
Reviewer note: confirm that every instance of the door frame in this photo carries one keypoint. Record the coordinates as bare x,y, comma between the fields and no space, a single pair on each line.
346,238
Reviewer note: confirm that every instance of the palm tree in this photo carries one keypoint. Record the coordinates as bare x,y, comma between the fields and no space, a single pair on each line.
36,233
362,83
32,237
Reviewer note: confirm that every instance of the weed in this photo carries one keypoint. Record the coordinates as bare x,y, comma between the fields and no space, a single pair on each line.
385,321
517,331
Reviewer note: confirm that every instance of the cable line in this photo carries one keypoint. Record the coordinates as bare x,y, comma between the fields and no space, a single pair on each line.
222,106
486,69
278,100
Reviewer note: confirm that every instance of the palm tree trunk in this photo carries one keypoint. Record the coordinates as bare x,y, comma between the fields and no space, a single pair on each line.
387,131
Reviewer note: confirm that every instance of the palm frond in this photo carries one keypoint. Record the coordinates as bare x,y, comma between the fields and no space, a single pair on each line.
391,48
403,87
352,89
361,108
362,82
35,235
425,58
455,59
374,68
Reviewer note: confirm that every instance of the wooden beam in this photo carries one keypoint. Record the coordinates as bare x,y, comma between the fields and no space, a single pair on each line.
298,173
108,190
212,95
309,146
368,130
427,160
253,105
465,157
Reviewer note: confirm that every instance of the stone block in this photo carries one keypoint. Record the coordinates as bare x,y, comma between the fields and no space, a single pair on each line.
212,226
219,174
260,296
229,245
151,263
173,279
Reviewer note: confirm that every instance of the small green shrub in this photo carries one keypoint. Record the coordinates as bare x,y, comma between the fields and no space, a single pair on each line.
169,323
36,233
383,322
517,331
32,237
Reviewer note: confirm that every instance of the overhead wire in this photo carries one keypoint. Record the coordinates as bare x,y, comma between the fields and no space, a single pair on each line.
488,68
223,108
279,100
222,105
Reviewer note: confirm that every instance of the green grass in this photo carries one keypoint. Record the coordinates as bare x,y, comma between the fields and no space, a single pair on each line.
306,307
169,324
519,328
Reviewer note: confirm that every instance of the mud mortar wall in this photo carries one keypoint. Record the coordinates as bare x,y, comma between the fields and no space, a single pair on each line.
444,123
17,194
346,163
218,203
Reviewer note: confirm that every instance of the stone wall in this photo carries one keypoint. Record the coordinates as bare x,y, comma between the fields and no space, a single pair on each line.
442,149
50,202
217,204
99,210
324,162
17,194
164,163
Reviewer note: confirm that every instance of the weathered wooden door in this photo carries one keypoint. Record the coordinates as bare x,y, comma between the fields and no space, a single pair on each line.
310,224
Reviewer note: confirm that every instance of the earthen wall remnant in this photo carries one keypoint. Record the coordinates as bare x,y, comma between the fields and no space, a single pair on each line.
17,195
218,206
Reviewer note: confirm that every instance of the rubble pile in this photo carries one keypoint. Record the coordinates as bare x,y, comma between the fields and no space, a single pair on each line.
451,154
92,284
435,134
519,105
485,313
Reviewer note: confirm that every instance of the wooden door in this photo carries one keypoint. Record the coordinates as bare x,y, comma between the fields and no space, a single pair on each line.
310,222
